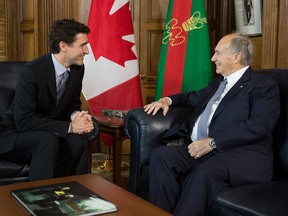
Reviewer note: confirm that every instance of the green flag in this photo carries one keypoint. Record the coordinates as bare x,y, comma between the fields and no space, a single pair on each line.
184,63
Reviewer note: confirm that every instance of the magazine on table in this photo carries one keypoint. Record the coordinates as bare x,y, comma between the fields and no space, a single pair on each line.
70,198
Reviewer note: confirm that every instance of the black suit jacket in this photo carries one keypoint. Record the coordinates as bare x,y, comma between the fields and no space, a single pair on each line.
241,125
34,105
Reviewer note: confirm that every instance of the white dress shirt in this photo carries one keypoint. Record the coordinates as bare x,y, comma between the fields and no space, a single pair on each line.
231,80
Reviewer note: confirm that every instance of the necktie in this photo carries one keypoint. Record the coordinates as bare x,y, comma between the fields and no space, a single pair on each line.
203,121
61,84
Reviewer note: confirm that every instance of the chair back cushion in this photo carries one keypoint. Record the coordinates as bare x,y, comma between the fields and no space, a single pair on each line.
280,132
8,72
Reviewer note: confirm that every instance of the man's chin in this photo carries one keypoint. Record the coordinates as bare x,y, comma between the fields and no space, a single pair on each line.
80,63
218,71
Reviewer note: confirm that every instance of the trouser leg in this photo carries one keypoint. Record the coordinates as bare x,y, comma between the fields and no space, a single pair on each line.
200,187
70,153
82,167
37,148
168,165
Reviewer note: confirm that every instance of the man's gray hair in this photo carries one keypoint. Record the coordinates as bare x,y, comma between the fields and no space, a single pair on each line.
241,43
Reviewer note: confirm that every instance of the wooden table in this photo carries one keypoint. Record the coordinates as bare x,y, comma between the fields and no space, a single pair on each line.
127,203
113,126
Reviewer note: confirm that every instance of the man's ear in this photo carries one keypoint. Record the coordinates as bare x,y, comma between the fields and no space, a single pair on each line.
62,46
238,57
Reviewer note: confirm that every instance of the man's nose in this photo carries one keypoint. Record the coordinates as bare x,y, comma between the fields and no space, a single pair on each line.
86,50
213,58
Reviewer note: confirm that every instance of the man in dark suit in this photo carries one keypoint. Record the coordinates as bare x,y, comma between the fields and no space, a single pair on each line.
236,148
40,129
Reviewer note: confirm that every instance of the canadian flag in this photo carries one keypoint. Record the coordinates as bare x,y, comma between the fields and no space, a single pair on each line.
111,77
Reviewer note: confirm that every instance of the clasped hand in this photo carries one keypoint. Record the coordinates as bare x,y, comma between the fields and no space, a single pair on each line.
82,123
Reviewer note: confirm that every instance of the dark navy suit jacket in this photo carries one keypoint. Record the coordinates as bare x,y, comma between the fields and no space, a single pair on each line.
241,125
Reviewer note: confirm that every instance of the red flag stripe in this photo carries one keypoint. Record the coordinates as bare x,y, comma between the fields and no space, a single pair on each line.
129,91
181,10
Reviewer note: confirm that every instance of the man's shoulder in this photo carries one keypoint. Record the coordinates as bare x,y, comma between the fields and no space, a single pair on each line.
37,66
41,63
44,59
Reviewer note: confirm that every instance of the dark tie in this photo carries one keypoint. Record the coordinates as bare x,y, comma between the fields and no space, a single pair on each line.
203,121
61,84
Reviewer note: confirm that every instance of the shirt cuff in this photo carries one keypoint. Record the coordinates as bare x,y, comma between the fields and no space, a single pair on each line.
170,101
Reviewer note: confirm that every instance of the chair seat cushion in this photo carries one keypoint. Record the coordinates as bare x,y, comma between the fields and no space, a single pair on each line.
255,199
9,169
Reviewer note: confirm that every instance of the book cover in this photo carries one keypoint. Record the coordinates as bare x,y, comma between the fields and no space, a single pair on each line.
70,198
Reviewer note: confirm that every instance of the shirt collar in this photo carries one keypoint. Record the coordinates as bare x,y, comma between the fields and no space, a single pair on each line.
59,68
234,77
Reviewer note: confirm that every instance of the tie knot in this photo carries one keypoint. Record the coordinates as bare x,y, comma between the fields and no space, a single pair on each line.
222,87
65,74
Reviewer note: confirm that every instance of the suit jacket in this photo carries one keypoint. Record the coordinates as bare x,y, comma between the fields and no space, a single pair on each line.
241,125
34,106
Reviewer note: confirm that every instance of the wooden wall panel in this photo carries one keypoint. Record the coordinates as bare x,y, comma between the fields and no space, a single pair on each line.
52,10
151,25
10,29
257,42
48,12
282,45
36,21
269,33
220,16
157,11
3,34
274,36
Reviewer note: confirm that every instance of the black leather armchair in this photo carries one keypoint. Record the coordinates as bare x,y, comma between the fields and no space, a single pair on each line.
254,199
10,172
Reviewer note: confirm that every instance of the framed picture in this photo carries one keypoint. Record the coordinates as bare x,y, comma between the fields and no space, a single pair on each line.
248,16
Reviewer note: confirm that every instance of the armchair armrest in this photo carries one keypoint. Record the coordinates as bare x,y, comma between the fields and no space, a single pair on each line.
145,132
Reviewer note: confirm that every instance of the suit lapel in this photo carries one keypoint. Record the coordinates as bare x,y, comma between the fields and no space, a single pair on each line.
239,85
50,77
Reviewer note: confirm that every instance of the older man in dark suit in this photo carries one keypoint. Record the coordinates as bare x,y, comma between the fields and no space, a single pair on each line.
44,125
227,140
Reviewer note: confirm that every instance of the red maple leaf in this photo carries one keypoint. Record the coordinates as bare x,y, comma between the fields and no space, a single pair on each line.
107,31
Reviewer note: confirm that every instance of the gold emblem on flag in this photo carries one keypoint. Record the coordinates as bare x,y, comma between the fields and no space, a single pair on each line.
193,23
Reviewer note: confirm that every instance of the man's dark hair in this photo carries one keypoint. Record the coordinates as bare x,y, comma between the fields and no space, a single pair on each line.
65,30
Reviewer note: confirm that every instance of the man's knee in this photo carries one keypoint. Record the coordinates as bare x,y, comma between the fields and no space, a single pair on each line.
80,144
47,140
157,154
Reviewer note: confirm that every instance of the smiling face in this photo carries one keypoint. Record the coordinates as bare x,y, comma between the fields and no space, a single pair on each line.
73,54
226,62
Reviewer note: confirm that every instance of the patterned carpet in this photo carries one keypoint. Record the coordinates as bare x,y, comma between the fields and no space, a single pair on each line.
103,167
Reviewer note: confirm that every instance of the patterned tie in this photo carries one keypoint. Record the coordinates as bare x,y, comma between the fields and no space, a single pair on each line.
61,84
203,121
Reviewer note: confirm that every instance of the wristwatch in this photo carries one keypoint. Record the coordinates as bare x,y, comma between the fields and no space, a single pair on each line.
212,143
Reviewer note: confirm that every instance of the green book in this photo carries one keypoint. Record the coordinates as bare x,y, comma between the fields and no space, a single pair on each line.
70,198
